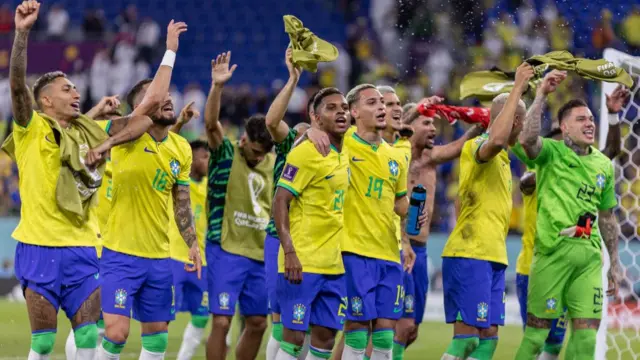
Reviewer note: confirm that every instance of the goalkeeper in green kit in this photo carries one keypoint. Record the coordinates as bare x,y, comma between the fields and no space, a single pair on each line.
576,197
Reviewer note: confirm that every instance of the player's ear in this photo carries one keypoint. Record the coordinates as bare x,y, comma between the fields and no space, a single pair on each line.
354,112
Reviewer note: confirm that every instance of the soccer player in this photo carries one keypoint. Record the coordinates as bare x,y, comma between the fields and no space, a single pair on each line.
424,159
575,214
283,137
56,261
135,264
190,291
370,249
308,211
239,199
474,258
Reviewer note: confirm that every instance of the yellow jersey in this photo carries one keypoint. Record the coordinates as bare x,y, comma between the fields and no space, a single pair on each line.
523,265
378,177
319,185
104,202
198,195
144,174
485,206
38,160
404,147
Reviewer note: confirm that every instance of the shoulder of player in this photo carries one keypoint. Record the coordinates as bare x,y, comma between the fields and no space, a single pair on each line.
305,151
179,143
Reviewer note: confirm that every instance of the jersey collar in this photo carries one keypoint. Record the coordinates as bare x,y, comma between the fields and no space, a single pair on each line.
365,142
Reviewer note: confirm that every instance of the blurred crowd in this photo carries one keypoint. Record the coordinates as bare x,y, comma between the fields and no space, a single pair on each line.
421,47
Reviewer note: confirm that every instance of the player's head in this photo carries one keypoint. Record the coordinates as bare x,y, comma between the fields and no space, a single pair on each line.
331,111
408,107
200,164
577,123
310,107
256,142
521,111
366,106
394,108
300,129
165,115
56,95
424,129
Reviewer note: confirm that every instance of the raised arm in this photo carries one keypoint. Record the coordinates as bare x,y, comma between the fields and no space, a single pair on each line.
220,74
609,231
186,114
26,16
292,266
184,220
276,127
134,127
442,154
500,129
615,102
530,136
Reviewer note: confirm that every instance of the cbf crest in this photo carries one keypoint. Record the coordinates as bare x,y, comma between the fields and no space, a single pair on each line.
120,298
394,168
223,301
299,311
600,181
552,305
483,311
356,306
409,303
174,165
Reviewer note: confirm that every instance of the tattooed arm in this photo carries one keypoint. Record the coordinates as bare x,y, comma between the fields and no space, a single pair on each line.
182,213
20,96
609,231
530,136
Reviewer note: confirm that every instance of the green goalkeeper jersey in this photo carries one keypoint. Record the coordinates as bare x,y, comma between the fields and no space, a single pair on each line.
568,186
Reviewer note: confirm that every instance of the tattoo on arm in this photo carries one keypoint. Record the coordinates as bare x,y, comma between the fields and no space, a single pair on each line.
118,124
530,135
182,213
609,231
20,96
538,323
581,324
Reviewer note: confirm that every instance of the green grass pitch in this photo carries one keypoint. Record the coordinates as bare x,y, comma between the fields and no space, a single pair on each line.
433,339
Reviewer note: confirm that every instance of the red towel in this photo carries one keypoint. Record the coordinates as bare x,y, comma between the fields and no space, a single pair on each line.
470,115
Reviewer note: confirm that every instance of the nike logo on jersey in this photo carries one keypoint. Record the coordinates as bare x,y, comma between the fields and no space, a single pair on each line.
49,140
147,150
596,311
329,176
573,166
355,159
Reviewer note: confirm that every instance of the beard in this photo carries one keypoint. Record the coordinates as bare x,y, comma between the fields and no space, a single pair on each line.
165,121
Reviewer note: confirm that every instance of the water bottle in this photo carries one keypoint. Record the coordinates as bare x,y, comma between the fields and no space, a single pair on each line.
416,206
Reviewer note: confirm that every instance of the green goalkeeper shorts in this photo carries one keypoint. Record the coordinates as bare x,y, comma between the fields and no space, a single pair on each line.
571,278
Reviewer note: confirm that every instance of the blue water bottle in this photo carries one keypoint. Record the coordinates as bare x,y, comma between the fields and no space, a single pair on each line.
416,206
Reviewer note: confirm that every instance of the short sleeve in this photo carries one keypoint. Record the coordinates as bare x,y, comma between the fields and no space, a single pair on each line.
475,145
546,152
519,152
185,167
35,122
223,152
608,200
283,147
298,171
104,125
401,184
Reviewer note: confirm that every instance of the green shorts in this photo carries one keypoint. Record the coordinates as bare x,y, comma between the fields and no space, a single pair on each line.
571,278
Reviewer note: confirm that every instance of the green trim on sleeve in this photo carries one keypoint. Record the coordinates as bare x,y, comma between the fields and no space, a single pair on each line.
291,190
108,127
400,194
33,113
182,182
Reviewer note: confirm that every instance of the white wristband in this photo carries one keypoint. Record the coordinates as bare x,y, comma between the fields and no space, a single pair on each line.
613,119
169,59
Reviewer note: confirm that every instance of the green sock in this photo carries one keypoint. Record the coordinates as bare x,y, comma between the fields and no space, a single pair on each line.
398,350
112,347
277,331
485,349
291,349
532,343
366,358
462,345
552,348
